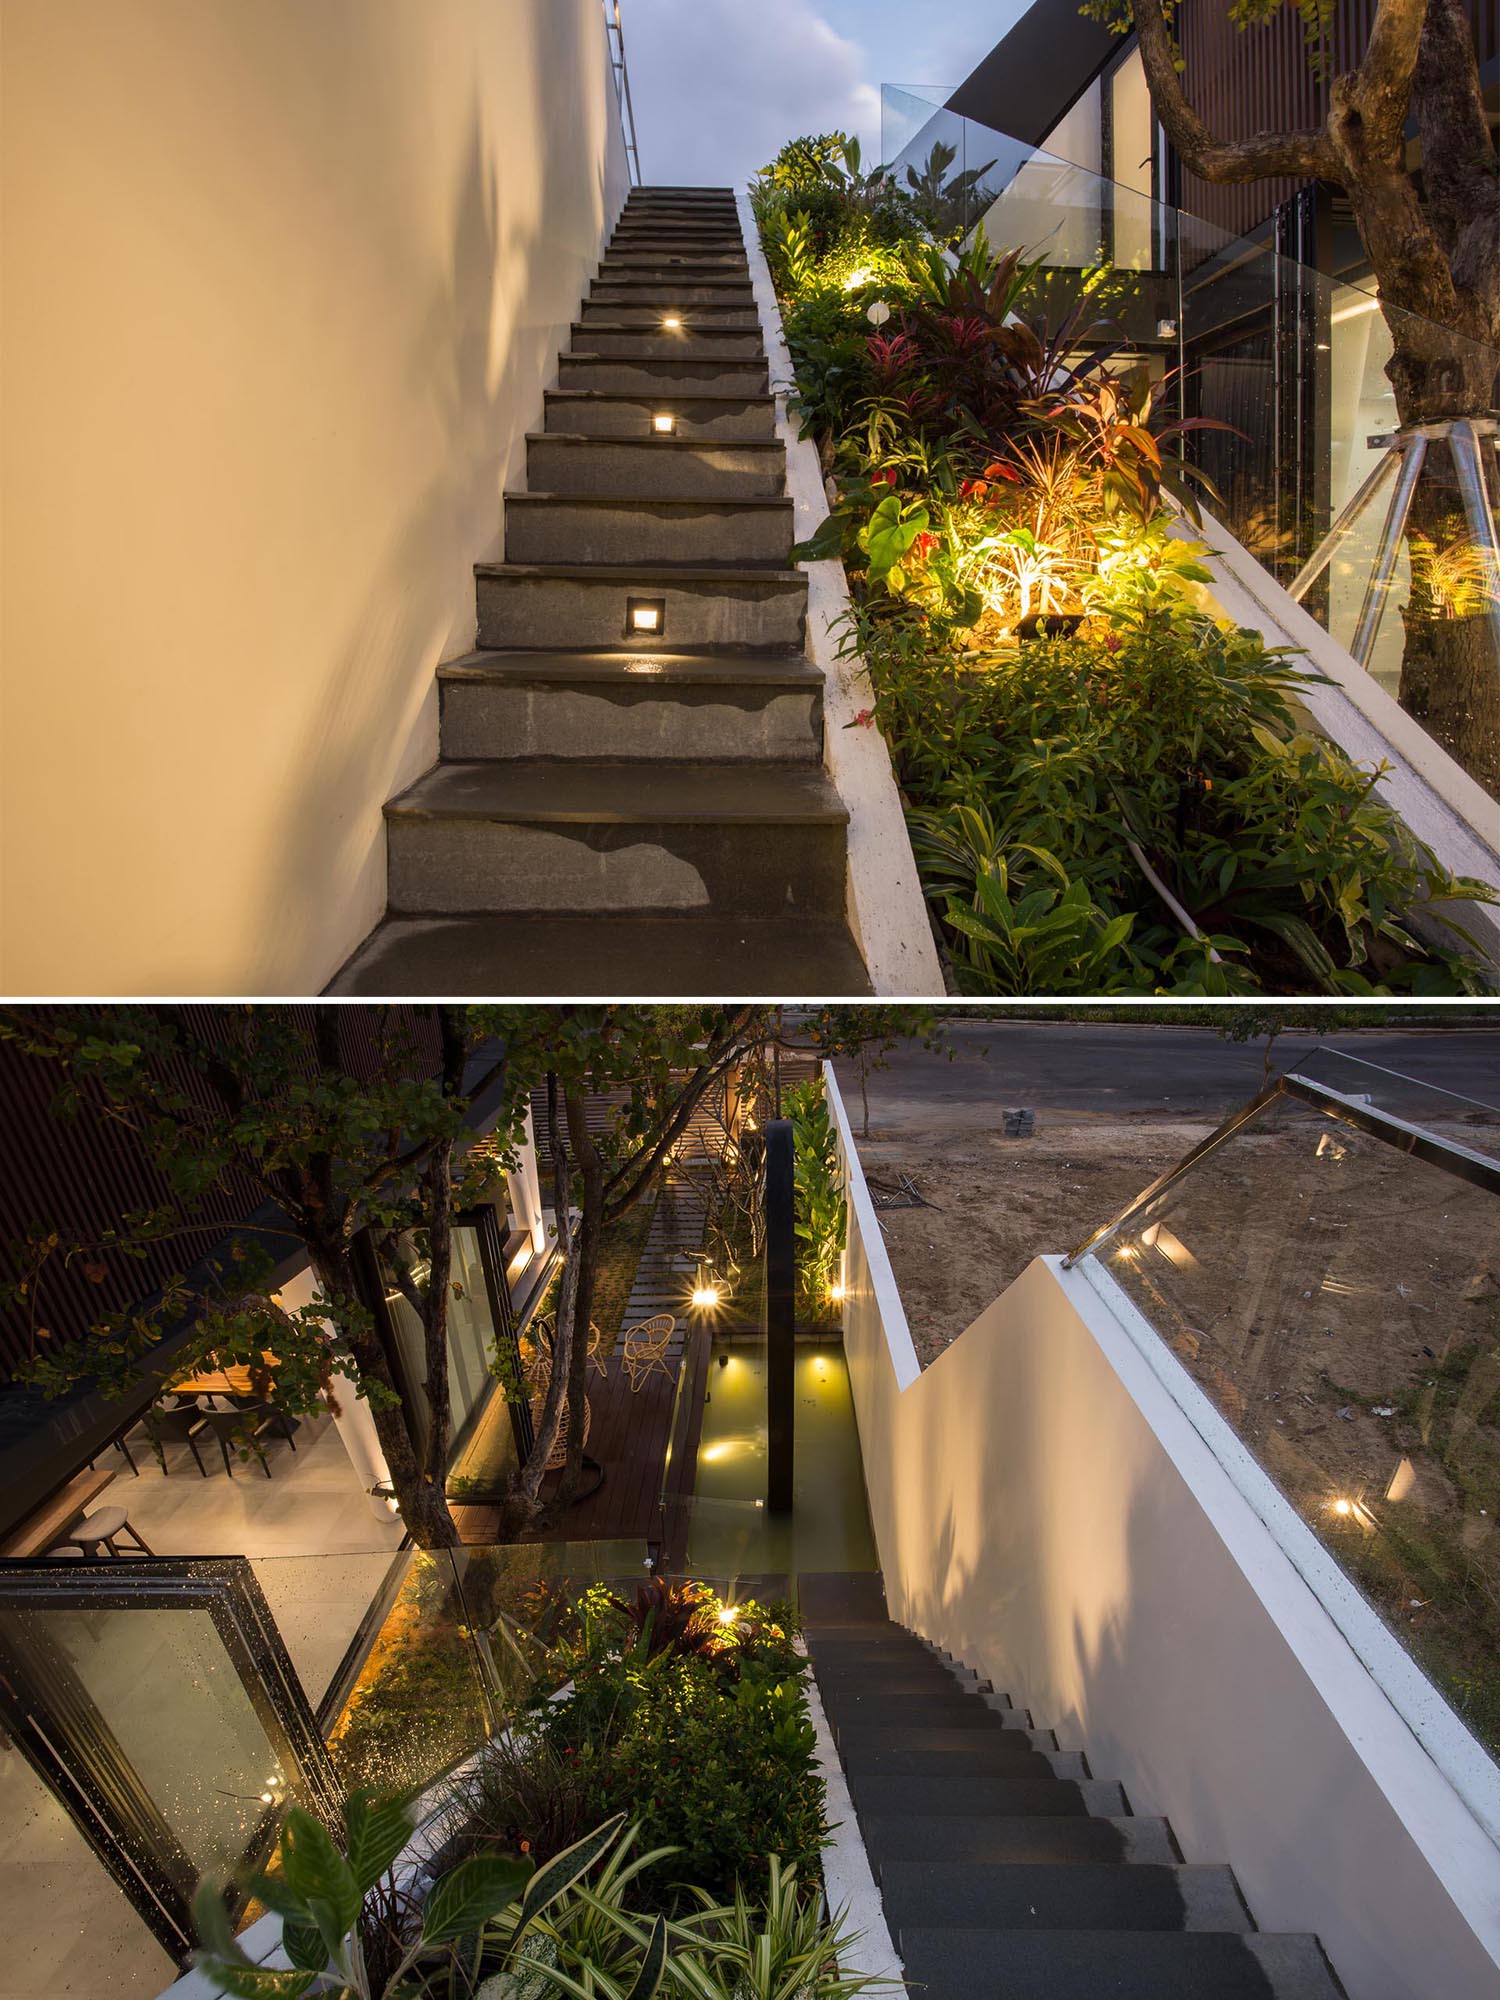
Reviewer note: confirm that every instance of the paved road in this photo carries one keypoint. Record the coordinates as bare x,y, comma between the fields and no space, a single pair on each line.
1077,1067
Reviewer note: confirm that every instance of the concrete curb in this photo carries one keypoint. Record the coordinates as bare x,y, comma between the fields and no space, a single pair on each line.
886,909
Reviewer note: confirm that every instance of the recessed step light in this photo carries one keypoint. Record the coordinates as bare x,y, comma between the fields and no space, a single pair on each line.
645,616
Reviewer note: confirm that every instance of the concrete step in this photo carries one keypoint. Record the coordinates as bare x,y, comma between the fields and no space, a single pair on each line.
850,1722
708,343
742,318
671,293
936,1753
547,838
884,1680
588,706
647,528
1060,1896
943,1838
600,957
847,1650
927,1709
836,1597
658,374
1026,1794
576,605
651,267
989,1964
668,467
676,239
593,413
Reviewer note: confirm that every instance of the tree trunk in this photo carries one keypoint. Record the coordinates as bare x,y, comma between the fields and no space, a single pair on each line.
590,1236
424,1508
1450,675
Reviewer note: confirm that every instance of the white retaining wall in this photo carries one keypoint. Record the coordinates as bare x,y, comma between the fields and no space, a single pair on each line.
886,910
1051,1503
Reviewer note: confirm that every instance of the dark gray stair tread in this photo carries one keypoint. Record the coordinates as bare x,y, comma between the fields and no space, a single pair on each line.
711,331
635,670
1060,1896
835,1596
969,1837
641,574
719,503
651,794
975,1964
590,441
929,1708
644,401
934,1753
905,1677
1025,1795
925,1708
599,958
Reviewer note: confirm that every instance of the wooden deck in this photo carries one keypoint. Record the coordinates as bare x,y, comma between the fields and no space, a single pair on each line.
631,1436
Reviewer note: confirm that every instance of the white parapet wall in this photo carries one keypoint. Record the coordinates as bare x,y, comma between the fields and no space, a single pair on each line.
284,282
887,913
1054,1506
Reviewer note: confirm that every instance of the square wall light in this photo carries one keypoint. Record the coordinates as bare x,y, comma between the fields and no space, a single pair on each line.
671,321
663,423
645,617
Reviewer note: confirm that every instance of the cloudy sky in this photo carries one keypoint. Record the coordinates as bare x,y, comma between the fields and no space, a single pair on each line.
719,85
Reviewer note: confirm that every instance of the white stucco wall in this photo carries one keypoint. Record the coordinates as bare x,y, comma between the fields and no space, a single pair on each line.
283,283
1047,1510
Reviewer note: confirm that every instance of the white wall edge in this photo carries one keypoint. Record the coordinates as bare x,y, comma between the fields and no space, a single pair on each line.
902,1349
1434,1728
1436,798
887,911
849,1884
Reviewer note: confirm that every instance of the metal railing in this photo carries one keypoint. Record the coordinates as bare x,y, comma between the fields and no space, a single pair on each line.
615,31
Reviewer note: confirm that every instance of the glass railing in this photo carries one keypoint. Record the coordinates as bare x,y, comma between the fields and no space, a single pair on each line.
168,1712
1324,1268
1314,476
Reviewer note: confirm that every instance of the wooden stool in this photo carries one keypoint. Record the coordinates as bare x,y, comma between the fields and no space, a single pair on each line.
99,1530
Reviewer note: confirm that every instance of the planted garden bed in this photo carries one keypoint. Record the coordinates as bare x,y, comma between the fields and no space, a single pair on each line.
1110,787
654,1826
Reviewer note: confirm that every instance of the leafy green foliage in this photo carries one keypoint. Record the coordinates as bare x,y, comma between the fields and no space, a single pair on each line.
1110,787
821,1216
708,1745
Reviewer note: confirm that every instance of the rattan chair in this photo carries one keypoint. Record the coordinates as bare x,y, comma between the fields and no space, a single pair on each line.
557,1458
536,1366
645,1350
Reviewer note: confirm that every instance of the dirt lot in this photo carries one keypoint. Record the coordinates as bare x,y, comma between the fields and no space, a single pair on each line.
997,1203
1339,1301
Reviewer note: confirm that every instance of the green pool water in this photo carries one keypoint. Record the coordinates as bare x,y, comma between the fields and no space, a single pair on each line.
828,1527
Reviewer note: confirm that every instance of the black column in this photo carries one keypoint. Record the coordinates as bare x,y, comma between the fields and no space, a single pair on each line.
781,1313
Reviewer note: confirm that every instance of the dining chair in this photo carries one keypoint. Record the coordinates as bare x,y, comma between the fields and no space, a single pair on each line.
175,1426
236,1427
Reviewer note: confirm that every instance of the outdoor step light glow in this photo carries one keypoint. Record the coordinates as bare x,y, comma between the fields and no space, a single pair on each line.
645,615
664,423
672,322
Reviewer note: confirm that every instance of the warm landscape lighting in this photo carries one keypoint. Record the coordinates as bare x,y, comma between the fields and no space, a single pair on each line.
1343,1506
835,1292
705,1296
671,322
857,278
727,1614
664,423
645,616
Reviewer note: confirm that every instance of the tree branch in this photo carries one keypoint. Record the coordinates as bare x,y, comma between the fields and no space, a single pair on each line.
1301,155
1378,93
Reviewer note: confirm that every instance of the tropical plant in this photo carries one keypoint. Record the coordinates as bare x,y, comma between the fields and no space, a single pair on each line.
323,1898
820,1209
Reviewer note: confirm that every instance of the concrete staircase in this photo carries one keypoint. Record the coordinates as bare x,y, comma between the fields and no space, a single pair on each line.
1007,1870
630,797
